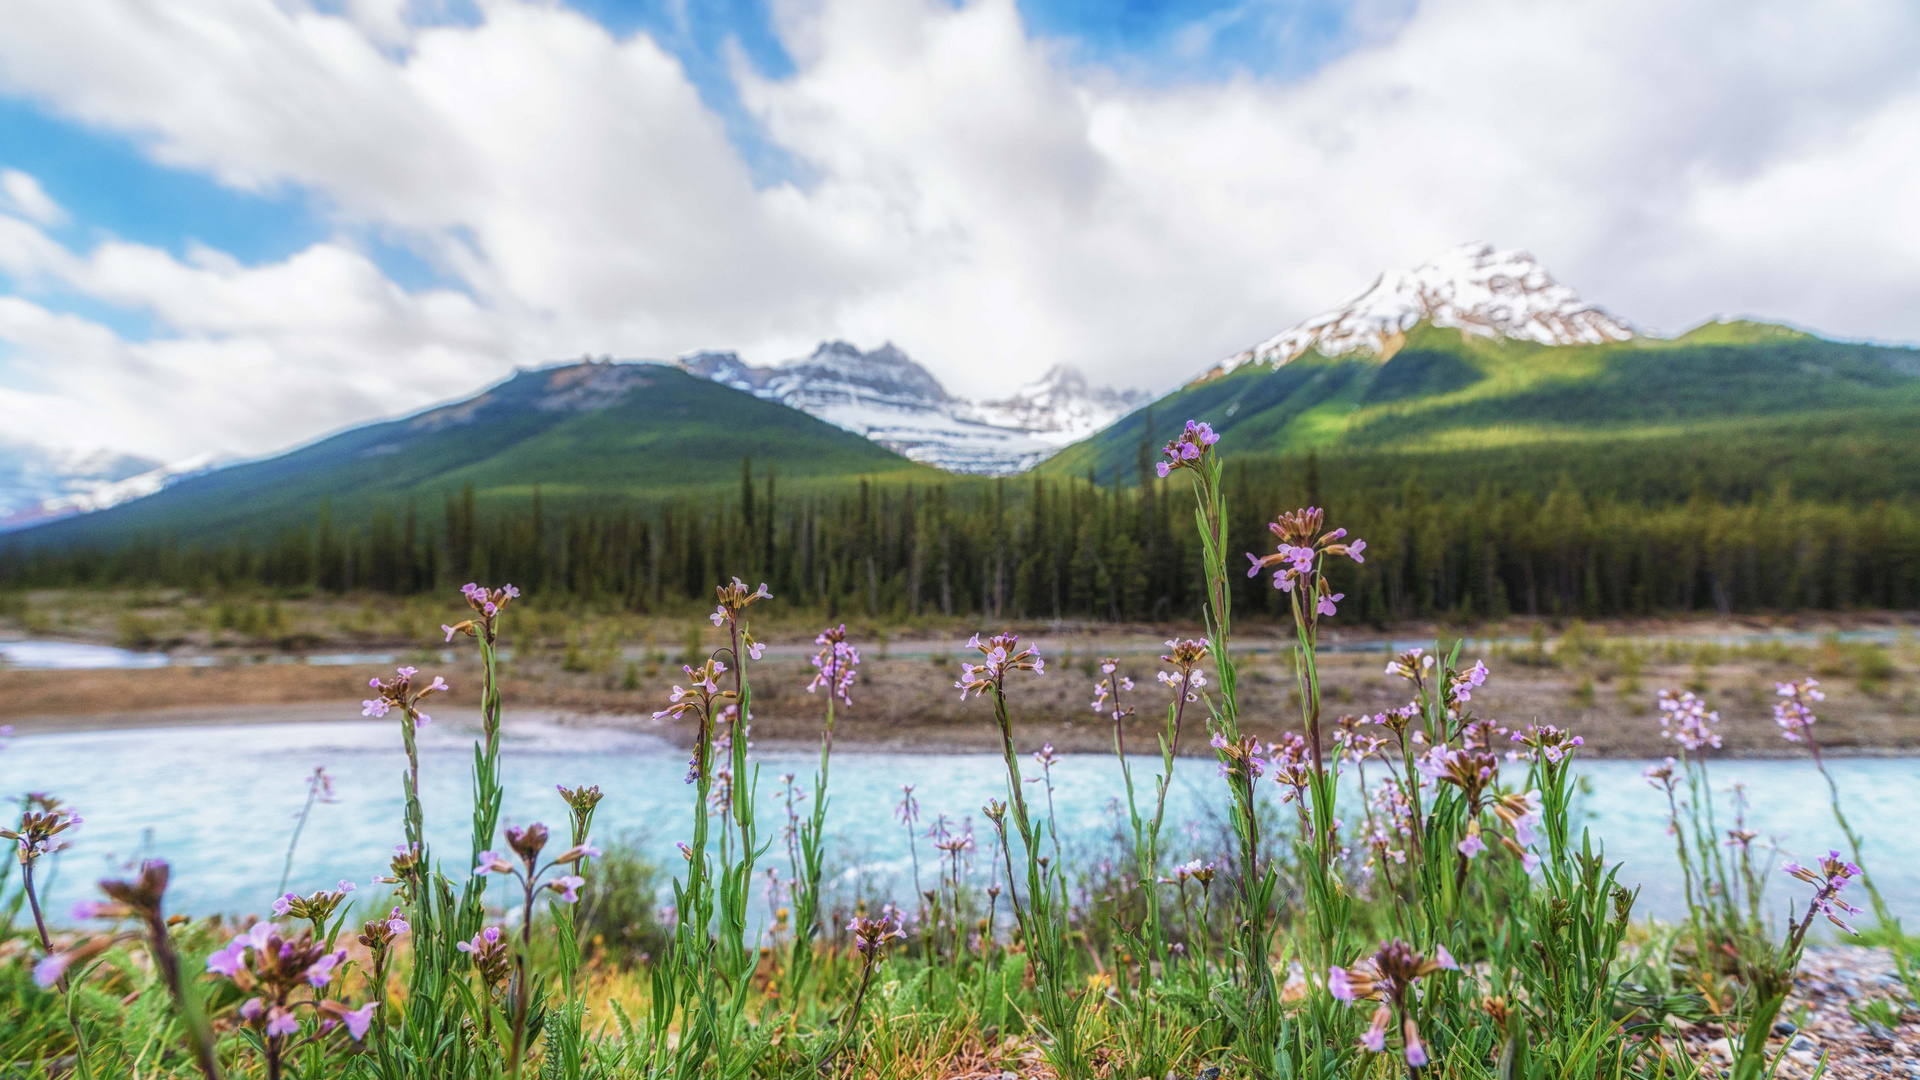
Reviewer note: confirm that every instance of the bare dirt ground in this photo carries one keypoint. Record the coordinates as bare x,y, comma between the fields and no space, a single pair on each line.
1599,685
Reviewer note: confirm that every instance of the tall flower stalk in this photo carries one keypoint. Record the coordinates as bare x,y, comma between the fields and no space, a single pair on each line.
1299,570
709,976
1043,917
526,870
1258,1017
834,668
1794,713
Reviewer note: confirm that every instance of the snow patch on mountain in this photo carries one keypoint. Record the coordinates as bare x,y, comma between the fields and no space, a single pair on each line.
888,397
1475,288
87,481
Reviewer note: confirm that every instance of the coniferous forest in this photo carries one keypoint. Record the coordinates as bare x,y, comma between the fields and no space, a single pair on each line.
1467,545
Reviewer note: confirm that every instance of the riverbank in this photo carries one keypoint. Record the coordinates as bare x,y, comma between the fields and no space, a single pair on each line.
908,702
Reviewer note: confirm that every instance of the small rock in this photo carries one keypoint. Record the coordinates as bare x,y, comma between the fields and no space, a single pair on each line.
1721,1048
1803,1045
1784,1028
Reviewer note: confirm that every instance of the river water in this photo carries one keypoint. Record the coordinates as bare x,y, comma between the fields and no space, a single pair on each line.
220,803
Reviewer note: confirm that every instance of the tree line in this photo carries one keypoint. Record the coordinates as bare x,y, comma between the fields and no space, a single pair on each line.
1051,548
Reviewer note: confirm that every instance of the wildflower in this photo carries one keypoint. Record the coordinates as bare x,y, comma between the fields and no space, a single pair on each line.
1003,653
1547,742
378,934
1793,715
1474,772
1188,449
356,1021
1187,679
398,693
1244,758
1828,878
1302,548
835,664
1684,718
487,605
1411,665
37,828
1292,762
1112,684
1522,813
317,908
1660,776
871,935
568,887
580,800
1461,686
699,700
734,599
490,954
1046,759
1388,977
907,810
1472,845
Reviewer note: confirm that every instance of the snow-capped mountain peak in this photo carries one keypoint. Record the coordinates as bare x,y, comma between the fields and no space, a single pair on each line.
1473,287
1062,403
888,397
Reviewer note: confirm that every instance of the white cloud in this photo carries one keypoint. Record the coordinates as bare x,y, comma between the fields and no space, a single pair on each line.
977,195
22,194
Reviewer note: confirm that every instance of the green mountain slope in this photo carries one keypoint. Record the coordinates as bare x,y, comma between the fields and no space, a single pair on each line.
1446,394
578,433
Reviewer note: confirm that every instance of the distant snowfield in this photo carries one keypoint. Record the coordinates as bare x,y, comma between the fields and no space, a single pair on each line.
887,397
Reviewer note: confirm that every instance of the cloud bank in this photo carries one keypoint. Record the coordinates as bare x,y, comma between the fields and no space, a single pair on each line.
984,196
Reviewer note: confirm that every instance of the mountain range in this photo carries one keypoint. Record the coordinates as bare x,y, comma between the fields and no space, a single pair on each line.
587,432
1476,354
1481,351
886,396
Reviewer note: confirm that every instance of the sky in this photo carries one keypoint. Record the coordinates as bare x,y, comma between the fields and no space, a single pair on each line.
235,225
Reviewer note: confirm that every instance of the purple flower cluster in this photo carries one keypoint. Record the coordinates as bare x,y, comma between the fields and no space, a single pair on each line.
37,828
835,664
266,959
1300,554
1111,684
1188,449
491,954
1685,719
871,935
1388,977
734,599
1547,743
1828,878
398,693
1002,653
487,605
1245,757
1795,714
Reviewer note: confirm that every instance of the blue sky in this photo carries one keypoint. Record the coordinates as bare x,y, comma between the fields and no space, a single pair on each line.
234,224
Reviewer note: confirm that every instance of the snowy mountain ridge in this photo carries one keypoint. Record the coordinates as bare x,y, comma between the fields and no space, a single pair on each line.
97,480
1473,287
888,397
